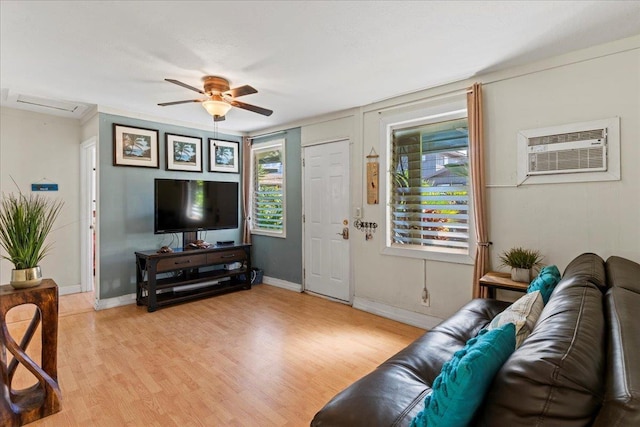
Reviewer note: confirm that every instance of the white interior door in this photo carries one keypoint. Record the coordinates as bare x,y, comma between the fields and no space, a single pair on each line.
326,217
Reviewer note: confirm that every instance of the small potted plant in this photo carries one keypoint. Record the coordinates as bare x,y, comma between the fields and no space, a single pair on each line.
25,223
521,261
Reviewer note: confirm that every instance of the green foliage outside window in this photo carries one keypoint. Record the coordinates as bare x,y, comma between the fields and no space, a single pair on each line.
268,191
438,151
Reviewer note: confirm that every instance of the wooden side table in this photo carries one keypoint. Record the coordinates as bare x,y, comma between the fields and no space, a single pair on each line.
19,407
497,280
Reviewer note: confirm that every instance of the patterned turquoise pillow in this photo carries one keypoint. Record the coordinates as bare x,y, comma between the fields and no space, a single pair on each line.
551,269
546,281
461,385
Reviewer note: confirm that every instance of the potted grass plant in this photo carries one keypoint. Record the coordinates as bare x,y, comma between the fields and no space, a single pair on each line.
522,261
25,223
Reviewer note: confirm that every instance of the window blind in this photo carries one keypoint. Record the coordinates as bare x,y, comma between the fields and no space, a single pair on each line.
268,195
430,193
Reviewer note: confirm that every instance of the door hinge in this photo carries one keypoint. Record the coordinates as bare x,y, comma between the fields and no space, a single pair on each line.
303,162
303,218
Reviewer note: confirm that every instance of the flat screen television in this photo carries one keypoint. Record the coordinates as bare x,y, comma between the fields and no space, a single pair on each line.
184,205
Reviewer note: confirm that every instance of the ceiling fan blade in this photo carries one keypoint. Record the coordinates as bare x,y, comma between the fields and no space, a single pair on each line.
255,109
218,118
176,82
240,91
164,104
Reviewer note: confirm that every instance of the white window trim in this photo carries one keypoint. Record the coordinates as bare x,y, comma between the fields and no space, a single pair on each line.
433,114
265,146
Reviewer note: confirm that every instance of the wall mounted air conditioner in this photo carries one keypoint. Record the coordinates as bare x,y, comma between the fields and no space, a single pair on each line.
564,153
582,151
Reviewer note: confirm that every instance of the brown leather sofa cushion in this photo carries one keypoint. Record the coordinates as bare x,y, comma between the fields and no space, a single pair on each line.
589,267
556,376
623,273
621,406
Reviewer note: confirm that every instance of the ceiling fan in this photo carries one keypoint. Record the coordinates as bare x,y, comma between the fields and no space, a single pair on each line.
220,98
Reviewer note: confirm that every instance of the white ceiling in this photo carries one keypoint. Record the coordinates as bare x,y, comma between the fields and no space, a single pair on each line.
305,58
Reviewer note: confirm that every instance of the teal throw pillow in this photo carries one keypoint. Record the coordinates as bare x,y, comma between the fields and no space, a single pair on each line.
460,387
546,281
551,269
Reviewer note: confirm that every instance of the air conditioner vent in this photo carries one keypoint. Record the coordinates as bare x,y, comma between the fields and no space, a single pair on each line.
563,153
37,104
48,103
567,160
567,137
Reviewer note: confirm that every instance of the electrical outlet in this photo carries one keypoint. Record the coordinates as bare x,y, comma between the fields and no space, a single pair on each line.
425,298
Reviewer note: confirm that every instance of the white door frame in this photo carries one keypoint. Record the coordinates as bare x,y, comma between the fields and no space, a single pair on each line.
304,260
88,158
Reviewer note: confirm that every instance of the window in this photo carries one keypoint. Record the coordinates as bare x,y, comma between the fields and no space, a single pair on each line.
268,188
428,188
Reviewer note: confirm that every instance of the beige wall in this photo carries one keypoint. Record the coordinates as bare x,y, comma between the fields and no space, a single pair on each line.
42,148
89,128
561,220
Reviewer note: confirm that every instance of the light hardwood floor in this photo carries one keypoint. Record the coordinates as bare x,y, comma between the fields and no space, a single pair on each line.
264,357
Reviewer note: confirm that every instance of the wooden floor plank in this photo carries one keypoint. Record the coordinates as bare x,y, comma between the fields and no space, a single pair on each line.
265,357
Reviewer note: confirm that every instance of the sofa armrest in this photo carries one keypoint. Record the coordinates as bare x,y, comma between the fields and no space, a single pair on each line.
394,393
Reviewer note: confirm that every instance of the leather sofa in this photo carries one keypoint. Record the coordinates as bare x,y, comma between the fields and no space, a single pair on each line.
580,366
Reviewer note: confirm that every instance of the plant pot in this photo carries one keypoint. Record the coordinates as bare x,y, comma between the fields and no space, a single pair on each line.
521,275
26,278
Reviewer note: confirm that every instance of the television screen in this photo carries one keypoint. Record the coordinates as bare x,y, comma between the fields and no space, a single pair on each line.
192,205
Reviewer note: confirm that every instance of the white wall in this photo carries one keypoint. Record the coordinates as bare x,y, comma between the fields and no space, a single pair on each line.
561,220
89,127
564,219
36,147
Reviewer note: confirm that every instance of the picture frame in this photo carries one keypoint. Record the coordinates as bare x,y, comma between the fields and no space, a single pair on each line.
134,146
183,153
224,156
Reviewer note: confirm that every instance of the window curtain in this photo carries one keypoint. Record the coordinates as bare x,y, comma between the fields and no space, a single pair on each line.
246,188
476,154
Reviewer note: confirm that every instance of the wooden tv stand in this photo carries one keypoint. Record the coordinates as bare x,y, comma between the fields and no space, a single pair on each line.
188,274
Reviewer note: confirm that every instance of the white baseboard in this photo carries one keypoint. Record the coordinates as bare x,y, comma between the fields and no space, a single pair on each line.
103,304
66,290
279,283
412,318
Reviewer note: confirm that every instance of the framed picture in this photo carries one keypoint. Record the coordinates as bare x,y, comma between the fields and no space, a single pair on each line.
134,146
184,153
223,156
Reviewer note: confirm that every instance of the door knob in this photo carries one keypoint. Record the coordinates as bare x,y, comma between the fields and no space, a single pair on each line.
345,233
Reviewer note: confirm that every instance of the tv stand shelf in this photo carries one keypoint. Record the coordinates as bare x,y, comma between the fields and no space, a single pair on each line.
188,274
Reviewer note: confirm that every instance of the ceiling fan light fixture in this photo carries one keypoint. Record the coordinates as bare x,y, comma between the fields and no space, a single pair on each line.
220,98
216,107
